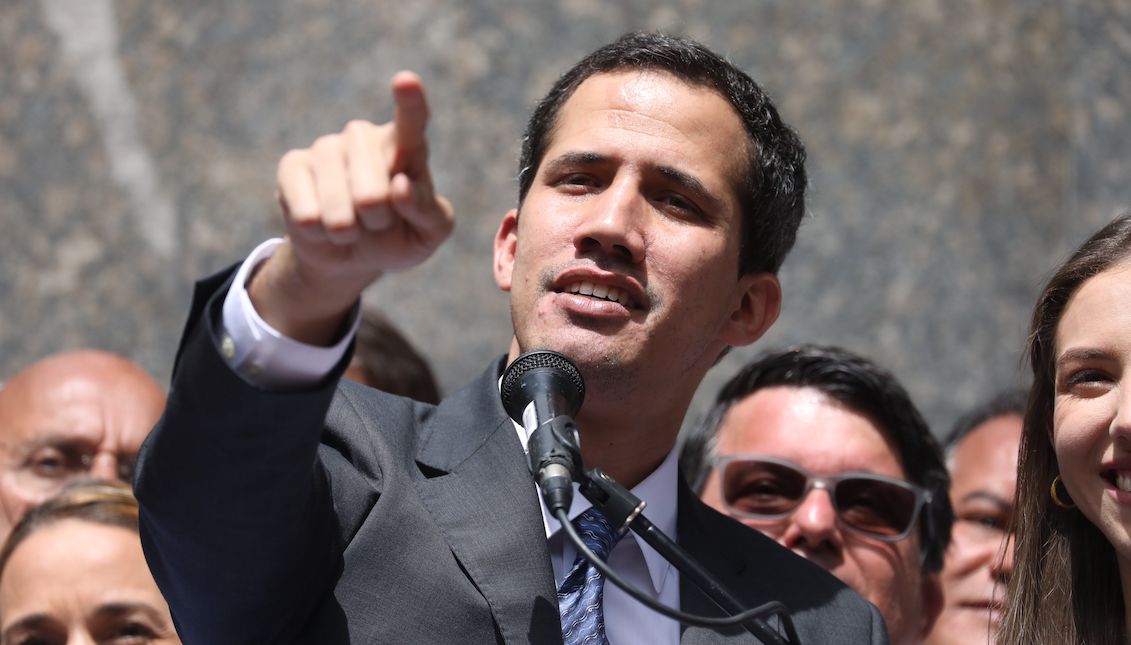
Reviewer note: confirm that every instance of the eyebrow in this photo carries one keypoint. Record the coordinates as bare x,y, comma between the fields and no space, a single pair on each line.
987,496
29,622
108,611
691,184
55,440
688,182
1080,354
117,609
576,158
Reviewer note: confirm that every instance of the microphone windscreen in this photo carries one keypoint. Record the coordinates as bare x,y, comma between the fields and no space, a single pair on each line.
541,371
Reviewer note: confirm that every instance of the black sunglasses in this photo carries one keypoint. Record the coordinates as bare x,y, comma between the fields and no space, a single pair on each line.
767,488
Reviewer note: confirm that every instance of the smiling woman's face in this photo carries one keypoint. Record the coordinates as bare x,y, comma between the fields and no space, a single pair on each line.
1092,410
79,582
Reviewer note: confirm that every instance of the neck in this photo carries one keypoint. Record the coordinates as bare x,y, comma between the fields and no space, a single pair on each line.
629,422
627,445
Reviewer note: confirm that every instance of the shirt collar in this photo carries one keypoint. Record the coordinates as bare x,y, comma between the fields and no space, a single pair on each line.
657,490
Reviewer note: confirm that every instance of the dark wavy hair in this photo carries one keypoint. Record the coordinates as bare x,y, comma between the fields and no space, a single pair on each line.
772,193
860,385
1065,584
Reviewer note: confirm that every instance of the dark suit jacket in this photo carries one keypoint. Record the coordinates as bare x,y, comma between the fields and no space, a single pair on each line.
346,515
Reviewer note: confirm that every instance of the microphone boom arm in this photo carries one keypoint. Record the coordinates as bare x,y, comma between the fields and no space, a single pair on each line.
543,391
624,510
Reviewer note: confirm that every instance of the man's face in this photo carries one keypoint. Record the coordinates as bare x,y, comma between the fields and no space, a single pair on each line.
74,415
979,559
625,254
806,427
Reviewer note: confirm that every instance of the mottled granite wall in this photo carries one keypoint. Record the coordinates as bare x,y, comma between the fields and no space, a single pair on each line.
959,149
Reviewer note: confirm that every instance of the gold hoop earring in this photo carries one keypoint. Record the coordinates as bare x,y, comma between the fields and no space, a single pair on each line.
1056,499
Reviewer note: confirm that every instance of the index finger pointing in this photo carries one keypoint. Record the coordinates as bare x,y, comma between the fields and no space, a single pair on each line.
410,118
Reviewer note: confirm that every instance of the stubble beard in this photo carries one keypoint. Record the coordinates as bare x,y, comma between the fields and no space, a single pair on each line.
607,373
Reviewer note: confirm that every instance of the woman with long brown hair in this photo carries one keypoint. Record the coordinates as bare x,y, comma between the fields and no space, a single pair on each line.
1072,559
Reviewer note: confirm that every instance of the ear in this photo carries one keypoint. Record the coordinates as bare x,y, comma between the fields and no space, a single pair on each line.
506,240
757,307
932,601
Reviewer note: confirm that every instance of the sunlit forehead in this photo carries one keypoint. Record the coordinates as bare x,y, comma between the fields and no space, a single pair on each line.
655,118
810,428
1095,320
643,89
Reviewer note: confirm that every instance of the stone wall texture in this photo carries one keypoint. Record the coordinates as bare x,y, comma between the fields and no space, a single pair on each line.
959,149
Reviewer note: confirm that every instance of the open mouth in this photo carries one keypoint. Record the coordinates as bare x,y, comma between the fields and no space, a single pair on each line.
600,292
1120,479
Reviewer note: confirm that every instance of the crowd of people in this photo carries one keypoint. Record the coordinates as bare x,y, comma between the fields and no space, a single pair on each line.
278,502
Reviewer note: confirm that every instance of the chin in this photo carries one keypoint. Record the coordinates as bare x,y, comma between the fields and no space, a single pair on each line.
576,347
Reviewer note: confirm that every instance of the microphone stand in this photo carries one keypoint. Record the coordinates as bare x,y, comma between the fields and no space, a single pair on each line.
624,510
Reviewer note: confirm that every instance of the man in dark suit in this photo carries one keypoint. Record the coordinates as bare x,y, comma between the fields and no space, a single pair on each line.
277,507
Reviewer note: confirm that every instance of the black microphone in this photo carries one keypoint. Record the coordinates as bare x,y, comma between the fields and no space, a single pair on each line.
543,390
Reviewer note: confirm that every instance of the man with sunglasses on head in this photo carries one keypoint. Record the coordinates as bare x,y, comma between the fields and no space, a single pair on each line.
825,452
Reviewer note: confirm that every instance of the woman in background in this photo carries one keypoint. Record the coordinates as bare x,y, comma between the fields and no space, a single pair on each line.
72,571
1072,560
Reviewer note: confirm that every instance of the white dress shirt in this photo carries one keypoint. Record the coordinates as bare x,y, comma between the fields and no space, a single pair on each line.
264,357
626,620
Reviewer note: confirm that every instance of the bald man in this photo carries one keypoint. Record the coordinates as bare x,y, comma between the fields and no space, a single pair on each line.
76,414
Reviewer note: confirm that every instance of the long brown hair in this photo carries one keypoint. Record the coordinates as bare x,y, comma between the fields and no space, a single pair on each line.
1065,585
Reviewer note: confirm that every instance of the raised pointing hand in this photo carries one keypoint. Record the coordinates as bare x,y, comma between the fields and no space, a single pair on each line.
356,204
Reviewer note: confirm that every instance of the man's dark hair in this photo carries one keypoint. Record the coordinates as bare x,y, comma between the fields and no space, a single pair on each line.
861,386
772,192
1008,403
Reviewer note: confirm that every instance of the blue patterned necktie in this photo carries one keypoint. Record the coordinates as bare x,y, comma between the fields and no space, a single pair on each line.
581,594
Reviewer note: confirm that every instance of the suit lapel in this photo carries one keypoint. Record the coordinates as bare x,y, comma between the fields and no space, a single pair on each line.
729,562
479,490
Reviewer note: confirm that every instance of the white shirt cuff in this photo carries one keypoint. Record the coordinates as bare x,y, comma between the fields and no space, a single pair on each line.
259,353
